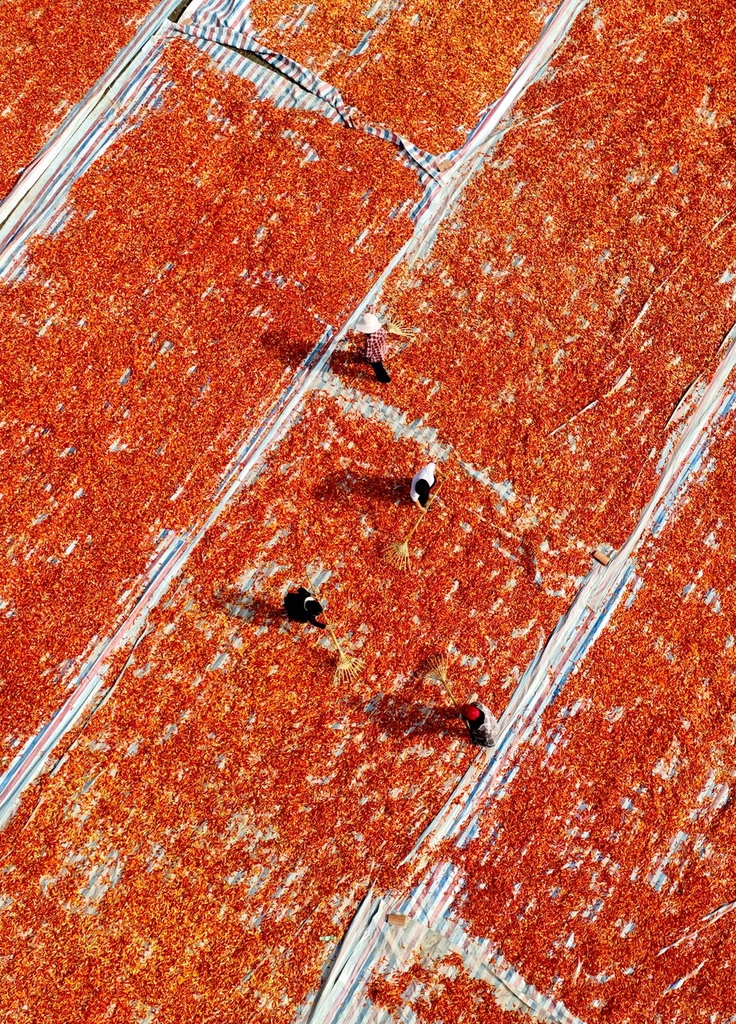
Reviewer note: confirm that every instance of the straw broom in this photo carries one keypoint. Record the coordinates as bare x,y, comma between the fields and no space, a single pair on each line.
437,673
398,553
348,667
395,326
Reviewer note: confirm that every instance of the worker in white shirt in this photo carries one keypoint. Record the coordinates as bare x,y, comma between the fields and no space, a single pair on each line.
422,484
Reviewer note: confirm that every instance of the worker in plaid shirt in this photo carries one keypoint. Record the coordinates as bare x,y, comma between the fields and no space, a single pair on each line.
376,337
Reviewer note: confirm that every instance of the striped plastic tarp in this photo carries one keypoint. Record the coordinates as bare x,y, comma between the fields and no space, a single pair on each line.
220,29
37,203
140,87
230,28
601,593
81,110
374,948
343,998
136,82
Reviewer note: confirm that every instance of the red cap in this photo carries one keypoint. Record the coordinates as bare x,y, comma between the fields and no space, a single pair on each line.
470,711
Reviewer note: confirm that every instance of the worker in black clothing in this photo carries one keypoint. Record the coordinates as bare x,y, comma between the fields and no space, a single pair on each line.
302,607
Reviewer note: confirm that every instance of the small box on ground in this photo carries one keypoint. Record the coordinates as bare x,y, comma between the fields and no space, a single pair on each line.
601,556
398,919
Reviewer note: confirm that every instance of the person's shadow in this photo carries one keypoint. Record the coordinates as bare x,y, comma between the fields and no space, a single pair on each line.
350,364
255,610
393,714
290,350
339,486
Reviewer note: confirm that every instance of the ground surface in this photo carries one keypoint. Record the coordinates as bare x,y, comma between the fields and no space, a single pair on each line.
204,839
49,57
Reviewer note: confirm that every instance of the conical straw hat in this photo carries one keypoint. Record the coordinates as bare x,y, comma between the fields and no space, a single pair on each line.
368,324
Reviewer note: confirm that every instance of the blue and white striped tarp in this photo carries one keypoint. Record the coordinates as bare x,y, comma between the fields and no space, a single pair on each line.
230,27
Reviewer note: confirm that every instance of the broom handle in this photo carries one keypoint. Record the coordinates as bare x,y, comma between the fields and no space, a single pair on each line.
335,640
313,590
419,521
441,478
415,527
450,694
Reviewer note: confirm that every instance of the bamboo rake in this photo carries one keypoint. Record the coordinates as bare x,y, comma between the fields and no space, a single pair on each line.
398,553
438,669
395,326
348,667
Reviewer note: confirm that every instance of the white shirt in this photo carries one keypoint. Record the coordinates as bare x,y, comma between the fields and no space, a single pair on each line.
424,474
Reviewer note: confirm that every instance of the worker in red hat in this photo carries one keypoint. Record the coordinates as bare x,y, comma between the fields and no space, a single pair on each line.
481,724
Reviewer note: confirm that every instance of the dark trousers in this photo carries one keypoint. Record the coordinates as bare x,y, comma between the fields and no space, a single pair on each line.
381,372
